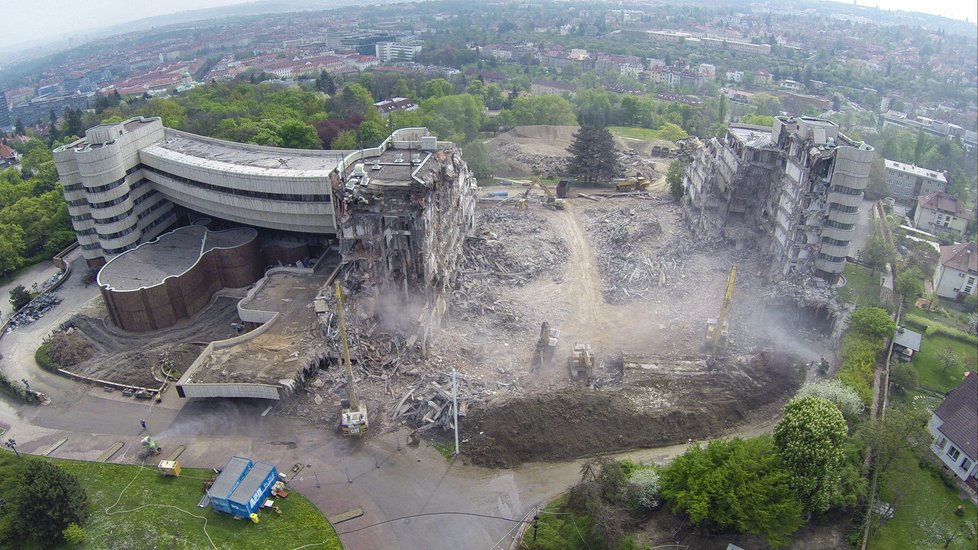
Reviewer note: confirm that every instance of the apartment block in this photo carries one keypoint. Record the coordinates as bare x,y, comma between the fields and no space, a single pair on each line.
906,182
792,191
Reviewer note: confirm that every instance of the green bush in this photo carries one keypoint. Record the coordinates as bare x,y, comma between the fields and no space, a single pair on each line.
74,534
859,363
44,359
12,389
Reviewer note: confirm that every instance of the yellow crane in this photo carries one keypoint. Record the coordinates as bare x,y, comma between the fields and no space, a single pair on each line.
353,413
716,329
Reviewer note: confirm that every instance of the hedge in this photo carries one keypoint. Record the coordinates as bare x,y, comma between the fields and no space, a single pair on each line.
933,328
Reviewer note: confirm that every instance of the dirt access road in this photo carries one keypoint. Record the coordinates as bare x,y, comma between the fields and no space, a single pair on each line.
629,280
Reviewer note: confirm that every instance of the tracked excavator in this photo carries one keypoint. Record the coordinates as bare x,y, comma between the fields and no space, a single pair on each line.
549,200
717,331
353,412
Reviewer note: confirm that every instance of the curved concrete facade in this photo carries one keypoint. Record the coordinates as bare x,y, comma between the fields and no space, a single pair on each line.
174,276
122,181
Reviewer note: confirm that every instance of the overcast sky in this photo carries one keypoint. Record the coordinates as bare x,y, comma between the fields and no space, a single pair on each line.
29,20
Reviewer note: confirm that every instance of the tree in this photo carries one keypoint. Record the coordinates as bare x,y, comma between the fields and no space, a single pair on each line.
877,252
19,297
671,132
353,100
674,177
48,501
298,135
541,109
872,321
476,155
909,285
438,87
842,396
12,247
325,83
950,360
810,438
735,484
593,154
901,428
19,127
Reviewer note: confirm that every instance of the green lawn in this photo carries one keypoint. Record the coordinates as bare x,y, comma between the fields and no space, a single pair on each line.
862,286
921,498
159,512
928,364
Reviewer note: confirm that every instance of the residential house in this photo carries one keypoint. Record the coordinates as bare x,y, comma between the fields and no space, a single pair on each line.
941,213
957,271
909,181
954,426
550,87
389,106
8,157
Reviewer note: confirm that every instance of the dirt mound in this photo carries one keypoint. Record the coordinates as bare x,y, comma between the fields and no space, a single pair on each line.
534,150
135,358
661,402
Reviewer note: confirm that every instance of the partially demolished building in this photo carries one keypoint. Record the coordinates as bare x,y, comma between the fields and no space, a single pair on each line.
792,190
402,213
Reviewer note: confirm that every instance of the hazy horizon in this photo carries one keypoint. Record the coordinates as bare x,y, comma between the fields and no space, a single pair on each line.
49,20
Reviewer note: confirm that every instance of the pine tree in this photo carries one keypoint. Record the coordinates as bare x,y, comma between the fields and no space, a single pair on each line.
593,154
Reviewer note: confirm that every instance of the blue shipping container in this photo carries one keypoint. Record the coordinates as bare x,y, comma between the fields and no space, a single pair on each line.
253,489
227,482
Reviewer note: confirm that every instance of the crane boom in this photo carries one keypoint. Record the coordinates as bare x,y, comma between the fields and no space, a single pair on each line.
354,403
722,320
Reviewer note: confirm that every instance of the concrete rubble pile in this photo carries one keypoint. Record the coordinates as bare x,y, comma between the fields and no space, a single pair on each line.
428,403
34,310
629,270
545,165
491,256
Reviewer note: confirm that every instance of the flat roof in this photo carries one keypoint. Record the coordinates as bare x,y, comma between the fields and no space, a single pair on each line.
393,167
752,137
914,169
230,475
251,482
272,356
242,157
168,255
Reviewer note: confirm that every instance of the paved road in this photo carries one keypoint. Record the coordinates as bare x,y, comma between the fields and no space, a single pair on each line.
405,491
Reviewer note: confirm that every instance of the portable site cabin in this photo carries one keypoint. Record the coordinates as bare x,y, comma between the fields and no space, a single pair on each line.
242,487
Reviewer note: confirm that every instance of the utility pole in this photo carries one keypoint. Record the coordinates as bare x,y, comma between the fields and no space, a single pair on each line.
455,408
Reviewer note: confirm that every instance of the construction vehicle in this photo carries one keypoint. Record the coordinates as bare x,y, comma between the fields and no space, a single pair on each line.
581,363
546,346
353,412
549,199
717,330
638,183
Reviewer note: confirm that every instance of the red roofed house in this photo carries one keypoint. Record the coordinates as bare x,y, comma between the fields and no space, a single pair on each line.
957,271
8,157
940,212
954,425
